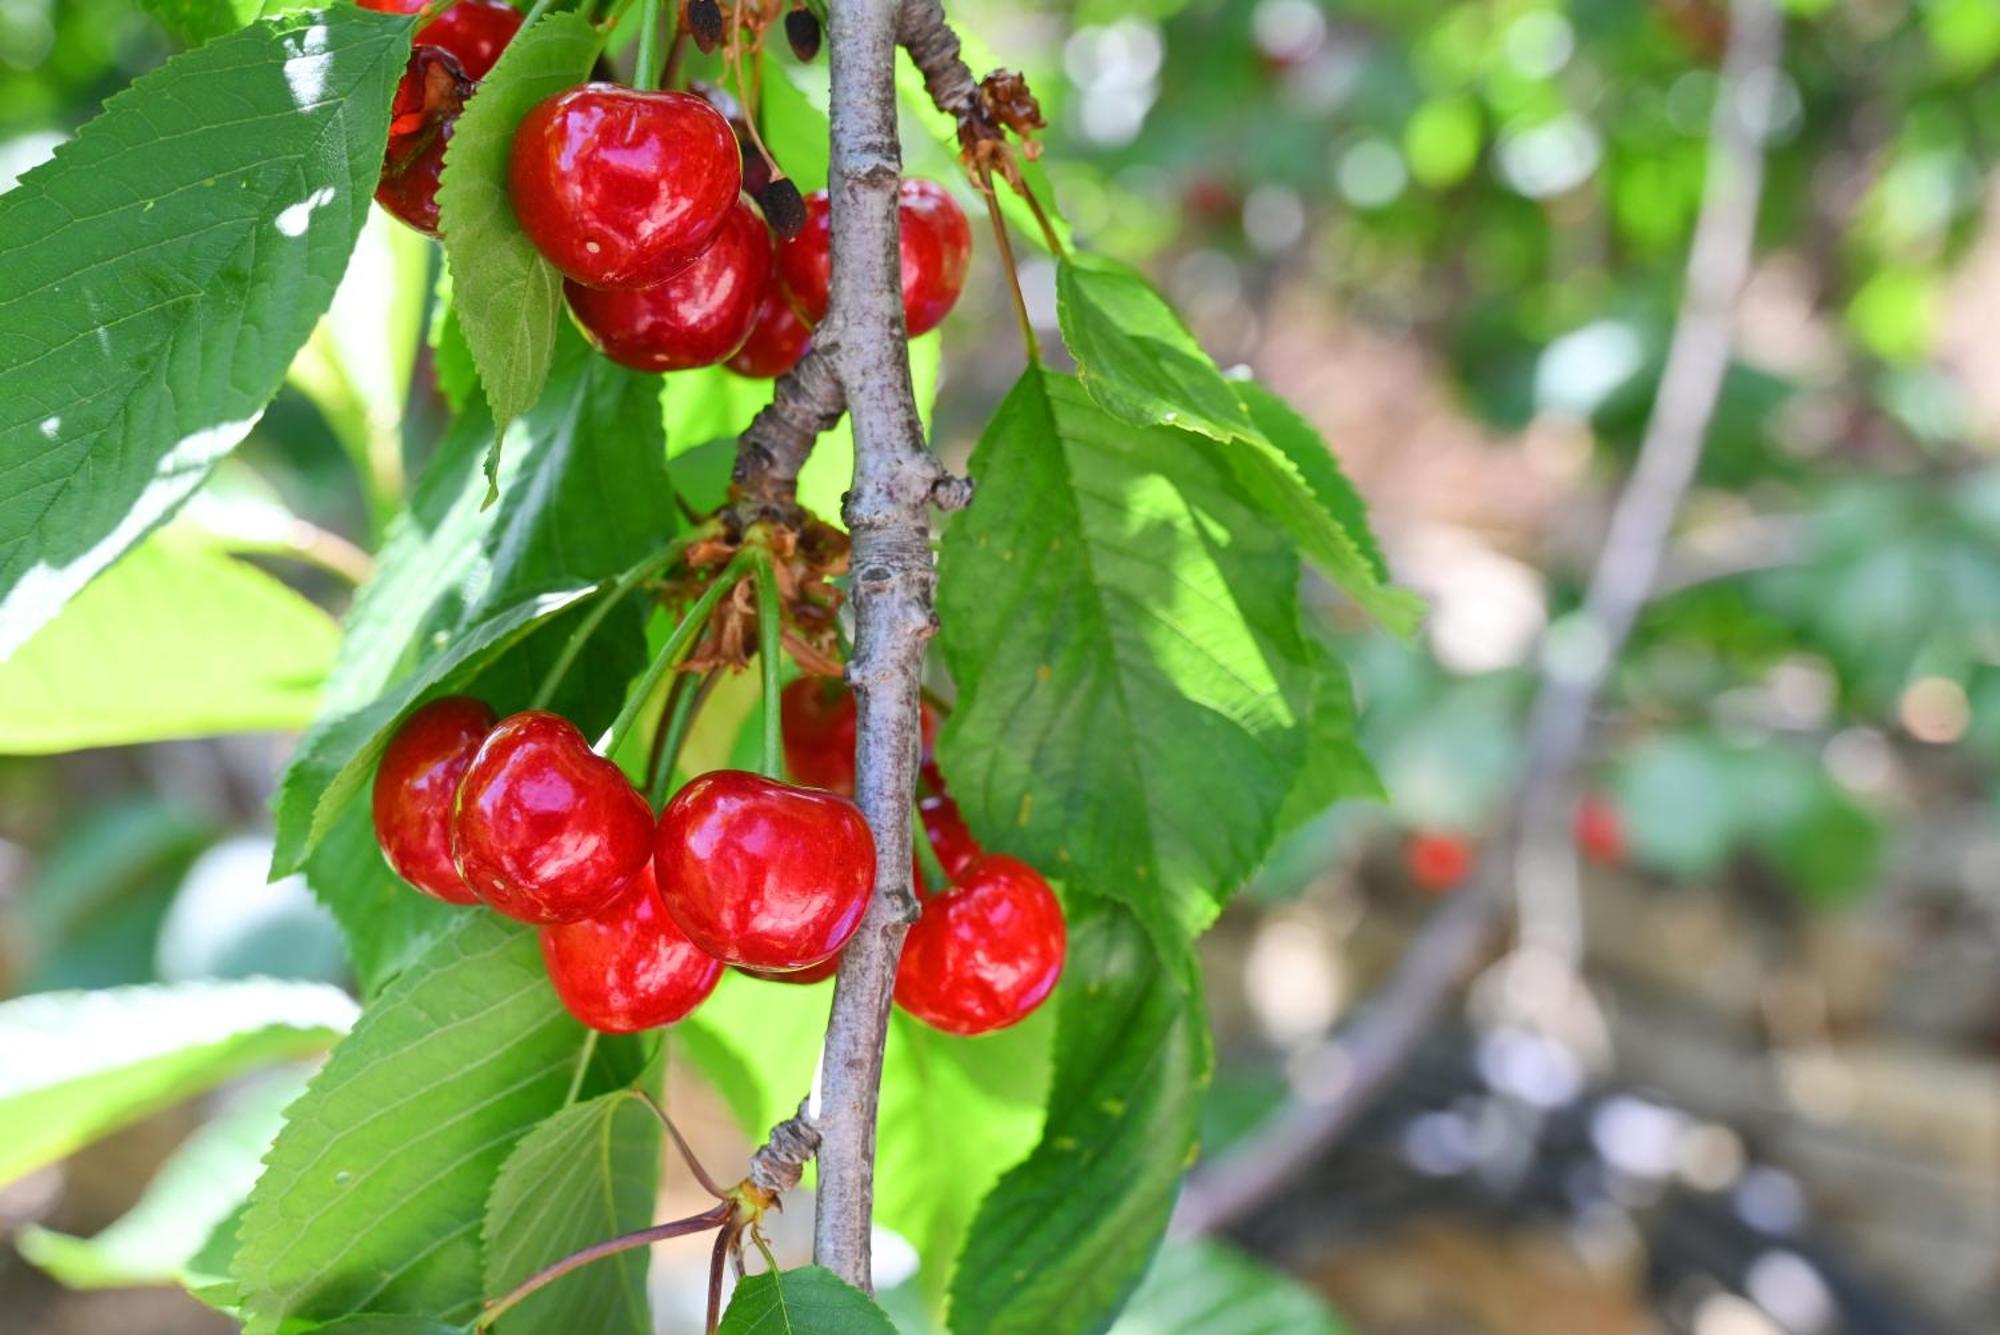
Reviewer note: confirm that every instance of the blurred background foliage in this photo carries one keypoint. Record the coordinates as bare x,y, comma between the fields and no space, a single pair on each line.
1454,234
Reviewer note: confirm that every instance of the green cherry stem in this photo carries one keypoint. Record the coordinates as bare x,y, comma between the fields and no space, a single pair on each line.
646,69
686,706
690,625
770,632
612,595
583,1057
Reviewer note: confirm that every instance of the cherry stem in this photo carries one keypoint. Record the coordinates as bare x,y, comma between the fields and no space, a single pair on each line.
690,625
1048,228
716,1217
715,1260
583,1057
935,876
646,70
1013,274
610,598
682,722
770,630
708,1183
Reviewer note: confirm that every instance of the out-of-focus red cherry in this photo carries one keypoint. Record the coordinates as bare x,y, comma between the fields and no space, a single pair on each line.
986,952
817,721
936,252
630,967
1600,831
415,787
778,338
698,317
476,31
1436,861
546,830
761,874
623,188
428,100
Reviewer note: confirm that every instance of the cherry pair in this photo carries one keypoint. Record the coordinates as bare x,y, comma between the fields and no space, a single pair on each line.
989,947
451,54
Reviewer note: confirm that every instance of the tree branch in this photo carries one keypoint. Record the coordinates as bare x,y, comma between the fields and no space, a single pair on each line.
933,48
807,401
1345,1074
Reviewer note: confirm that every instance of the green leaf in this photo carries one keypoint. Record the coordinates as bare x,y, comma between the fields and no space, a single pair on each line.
1212,1289
1063,1238
199,1187
372,1198
158,274
507,298
385,923
584,1175
1316,465
81,1064
1335,766
1118,617
1136,357
794,129
227,649
197,21
808,1301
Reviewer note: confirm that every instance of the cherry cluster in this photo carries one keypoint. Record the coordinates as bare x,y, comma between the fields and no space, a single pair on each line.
638,198
639,916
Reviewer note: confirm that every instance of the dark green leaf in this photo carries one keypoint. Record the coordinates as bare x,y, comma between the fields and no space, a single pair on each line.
377,1323
81,1064
158,274
507,298
1335,766
808,1301
374,1193
1117,617
1063,1238
584,1175
385,923
1208,1288
198,1188
1295,438
1136,357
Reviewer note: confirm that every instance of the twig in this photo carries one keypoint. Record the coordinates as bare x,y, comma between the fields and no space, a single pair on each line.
808,400
1345,1074
625,1242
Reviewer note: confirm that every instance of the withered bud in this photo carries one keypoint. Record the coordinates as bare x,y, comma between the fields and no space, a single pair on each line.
802,31
705,22
783,207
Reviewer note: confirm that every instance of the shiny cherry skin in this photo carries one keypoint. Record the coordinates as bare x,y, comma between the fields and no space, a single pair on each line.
778,338
936,252
812,973
698,317
623,188
476,31
546,830
1600,831
415,787
630,967
985,953
428,100
950,839
1437,862
816,720
761,874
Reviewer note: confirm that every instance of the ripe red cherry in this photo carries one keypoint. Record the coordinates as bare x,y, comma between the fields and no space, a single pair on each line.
428,99
764,875
698,317
986,952
953,843
1600,831
415,787
816,719
546,830
630,967
812,973
476,31
1437,862
936,251
623,188
778,338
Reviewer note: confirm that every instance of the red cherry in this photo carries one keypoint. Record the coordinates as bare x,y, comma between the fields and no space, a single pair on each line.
778,338
985,953
764,875
415,787
1600,831
1437,862
546,830
953,843
429,97
630,967
936,251
816,718
812,973
698,317
476,31
623,188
